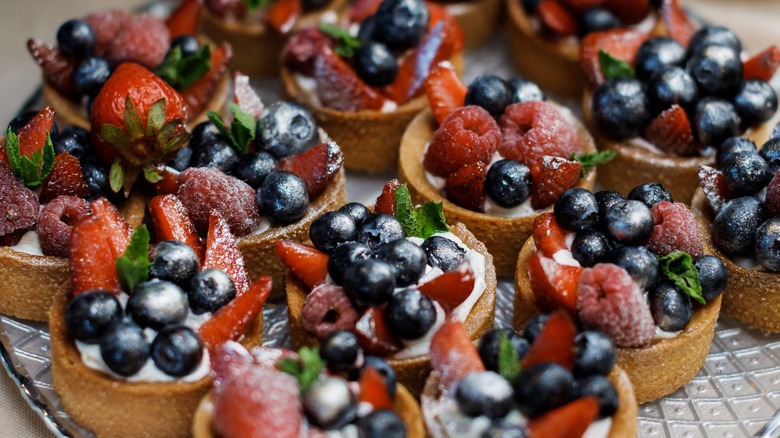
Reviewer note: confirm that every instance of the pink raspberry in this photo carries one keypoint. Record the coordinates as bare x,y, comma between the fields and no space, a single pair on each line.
675,230
609,300
107,24
145,40
327,309
56,222
532,130
773,195
18,205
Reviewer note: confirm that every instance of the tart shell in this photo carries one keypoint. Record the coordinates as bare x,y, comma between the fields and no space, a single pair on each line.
479,20
413,371
503,236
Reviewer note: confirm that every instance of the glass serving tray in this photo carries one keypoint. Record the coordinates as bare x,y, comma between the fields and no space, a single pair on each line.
736,393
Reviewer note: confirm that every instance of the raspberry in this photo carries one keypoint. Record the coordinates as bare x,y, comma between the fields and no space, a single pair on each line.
143,40
467,136
19,205
56,222
609,300
675,230
303,48
773,195
107,24
326,310
66,178
57,68
714,187
466,187
203,190
551,177
532,130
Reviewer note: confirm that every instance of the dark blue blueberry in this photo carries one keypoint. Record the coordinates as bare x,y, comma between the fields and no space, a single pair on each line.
770,152
375,64
216,153
714,35
366,29
96,176
508,183
89,315
380,229
489,346
732,146
525,91
597,20
124,348
621,108
638,261
211,289
713,276
671,307
768,244
22,119
76,38
344,256
491,93
716,68
745,173
204,132
401,24
534,326
340,350
628,222
606,199
286,129
177,350
408,259
590,247
576,210
357,211
595,354
443,253
410,314
182,160
174,261
755,101
673,86
385,370
656,55
188,44
601,388
157,303
329,403
543,387
254,167
369,283
331,229
73,140
735,225
381,423
650,194
90,75
283,197
484,393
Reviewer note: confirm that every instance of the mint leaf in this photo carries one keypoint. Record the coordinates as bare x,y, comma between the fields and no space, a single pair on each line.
404,211
32,170
508,360
347,44
306,369
613,68
132,267
678,267
431,219
593,159
423,221
242,131
180,71
254,5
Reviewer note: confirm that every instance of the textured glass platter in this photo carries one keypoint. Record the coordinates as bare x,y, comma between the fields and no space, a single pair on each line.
735,394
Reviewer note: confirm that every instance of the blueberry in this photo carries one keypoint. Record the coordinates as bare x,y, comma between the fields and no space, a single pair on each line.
595,354
124,348
673,86
401,24
76,38
525,91
745,173
89,315
90,75
597,20
381,423
490,342
735,225
357,211
716,68
254,167
534,326
484,393
369,282
366,30
408,259
576,210
329,403
340,350
73,140
656,55
603,389
204,132
177,350
181,161
211,289
508,183
714,35
650,194
732,146
375,64
331,229
638,261
344,256
606,199
491,93
385,370
286,129
621,108
216,153
713,276
188,45
590,247
410,314
770,152
671,307
380,229
714,121
628,222
157,303
768,244
283,197
22,119
530,6
543,387
443,253
96,176
174,261
755,101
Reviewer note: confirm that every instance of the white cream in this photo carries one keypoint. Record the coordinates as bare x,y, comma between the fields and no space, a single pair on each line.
264,226
29,244
661,334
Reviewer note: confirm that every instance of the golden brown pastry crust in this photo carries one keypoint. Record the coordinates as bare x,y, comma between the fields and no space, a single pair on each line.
503,236
411,372
479,20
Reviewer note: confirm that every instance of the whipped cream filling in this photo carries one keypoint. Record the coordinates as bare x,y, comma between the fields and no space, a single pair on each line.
30,243
264,226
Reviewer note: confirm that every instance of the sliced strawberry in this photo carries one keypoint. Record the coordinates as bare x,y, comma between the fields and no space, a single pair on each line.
33,135
92,263
555,343
466,187
339,87
549,237
555,17
282,15
118,232
620,43
373,389
763,65
714,187
385,203
570,420
222,253
373,334
453,355
304,48
169,184
362,9
451,288
66,178
229,360
554,285
678,25
185,19
444,90
172,223
629,11
198,95
304,261
57,68
551,177
317,167
245,96
452,36
671,132
232,320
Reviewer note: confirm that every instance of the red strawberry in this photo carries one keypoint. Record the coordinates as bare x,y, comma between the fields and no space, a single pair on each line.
185,19
317,166
339,87
763,65
531,130
385,203
582,5
469,135
629,11
555,343
230,360
549,237
282,15
373,390
57,68
620,43
233,320
466,187
304,48
304,261
65,178
714,187
678,25
373,334
198,95
172,223
557,18
362,9
117,231
452,36
33,135
773,195
92,263
169,184
676,229
570,420
451,288
551,177
444,90
453,355
245,96
671,132
554,285
222,253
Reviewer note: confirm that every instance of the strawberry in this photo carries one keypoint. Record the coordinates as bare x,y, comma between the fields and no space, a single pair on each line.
385,202
229,360
198,95
222,253
362,9
531,130
569,420
452,36
466,187
549,237
185,19
144,40
629,11
763,65
304,48
92,263
620,43
33,135
582,5
714,187
555,343
469,135
282,15
317,167
65,178
172,223
453,355
169,184
373,334
339,87
245,96
555,17
232,320
678,26
57,68
373,390
671,132
551,177
118,232
451,288
554,285
444,90
304,261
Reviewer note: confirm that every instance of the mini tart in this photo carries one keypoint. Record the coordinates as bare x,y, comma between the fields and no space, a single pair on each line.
656,370
405,406
503,236
369,139
479,20
113,408
751,296
623,421
412,371
258,250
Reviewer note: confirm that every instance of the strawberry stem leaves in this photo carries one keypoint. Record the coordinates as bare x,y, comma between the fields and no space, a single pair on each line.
254,5
242,131
180,71
423,221
32,170
347,44
306,369
508,360
614,68
132,267
678,267
594,159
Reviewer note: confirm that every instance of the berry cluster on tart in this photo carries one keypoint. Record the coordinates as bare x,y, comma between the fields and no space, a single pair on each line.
636,269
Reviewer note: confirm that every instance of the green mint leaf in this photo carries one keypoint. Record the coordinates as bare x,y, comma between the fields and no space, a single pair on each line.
180,71
48,157
678,267
217,120
32,170
508,360
306,369
243,127
347,44
431,218
593,159
405,213
613,68
254,5
423,221
132,267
